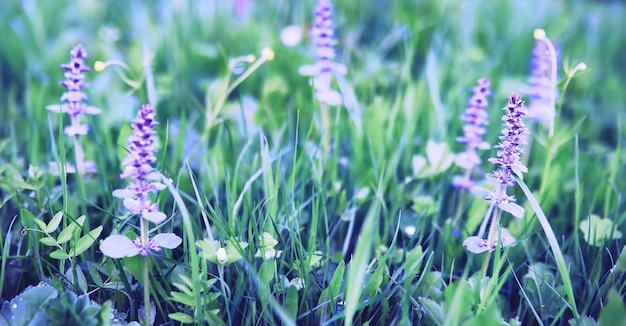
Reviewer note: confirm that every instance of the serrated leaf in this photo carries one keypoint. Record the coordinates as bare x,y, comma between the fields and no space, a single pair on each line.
86,241
118,246
48,241
27,308
59,254
433,309
181,317
54,223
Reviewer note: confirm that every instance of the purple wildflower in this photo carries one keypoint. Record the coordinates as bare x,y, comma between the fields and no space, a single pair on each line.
322,36
74,97
152,246
475,118
542,92
138,168
509,150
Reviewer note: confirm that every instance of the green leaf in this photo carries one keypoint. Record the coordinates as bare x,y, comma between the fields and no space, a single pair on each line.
80,281
376,279
41,224
597,230
267,270
358,265
48,241
183,298
59,254
620,266
54,223
86,241
433,309
458,301
66,234
291,302
614,313
27,218
18,184
135,266
413,262
181,317
335,283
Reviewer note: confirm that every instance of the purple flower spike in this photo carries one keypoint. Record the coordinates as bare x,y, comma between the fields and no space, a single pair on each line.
508,155
74,98
542,93
322,36
138,168
475,118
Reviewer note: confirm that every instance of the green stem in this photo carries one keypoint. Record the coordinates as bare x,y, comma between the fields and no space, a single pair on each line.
146,271
554,245
325,130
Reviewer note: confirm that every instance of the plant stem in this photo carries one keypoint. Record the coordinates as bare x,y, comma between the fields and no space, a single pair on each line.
146,272
554,245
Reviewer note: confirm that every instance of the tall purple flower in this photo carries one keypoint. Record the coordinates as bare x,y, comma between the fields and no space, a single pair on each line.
74,98
475,118
509,164
322,36
138,169
509,151
542,91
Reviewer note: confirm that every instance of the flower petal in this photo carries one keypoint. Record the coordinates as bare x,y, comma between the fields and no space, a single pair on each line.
167,240
118,246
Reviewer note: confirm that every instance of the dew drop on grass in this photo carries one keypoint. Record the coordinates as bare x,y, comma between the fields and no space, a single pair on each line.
14,306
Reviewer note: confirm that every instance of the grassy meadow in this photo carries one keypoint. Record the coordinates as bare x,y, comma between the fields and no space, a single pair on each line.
278,208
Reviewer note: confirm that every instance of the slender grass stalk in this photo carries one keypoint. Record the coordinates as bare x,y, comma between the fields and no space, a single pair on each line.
554,246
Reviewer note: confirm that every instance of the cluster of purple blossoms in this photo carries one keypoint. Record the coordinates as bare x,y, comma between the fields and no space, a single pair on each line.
509,150
322,36
509,164
138,169
475,118
542,92
152,246
74,97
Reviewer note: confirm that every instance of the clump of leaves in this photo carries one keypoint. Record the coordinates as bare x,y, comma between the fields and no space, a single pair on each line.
42,305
